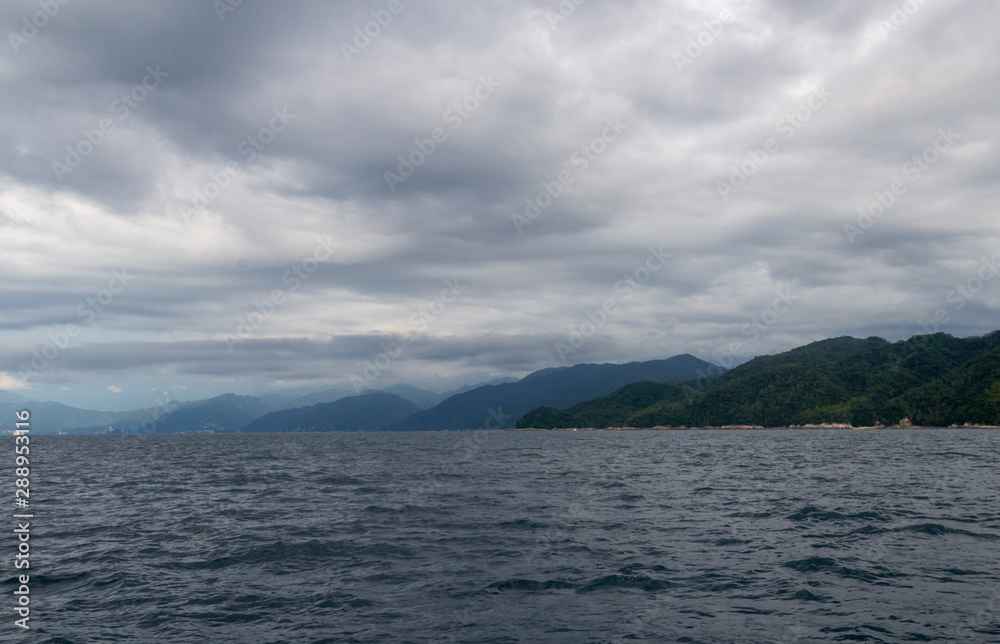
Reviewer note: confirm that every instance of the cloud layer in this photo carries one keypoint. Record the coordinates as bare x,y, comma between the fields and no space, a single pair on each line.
271,194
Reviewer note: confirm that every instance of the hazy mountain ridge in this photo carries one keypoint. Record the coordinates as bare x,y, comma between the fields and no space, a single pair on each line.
425,399
933,380
9,397
367,412
422,398
500,406
225,413
52,417
316,398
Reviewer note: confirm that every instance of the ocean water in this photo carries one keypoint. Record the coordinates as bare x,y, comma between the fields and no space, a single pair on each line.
686,536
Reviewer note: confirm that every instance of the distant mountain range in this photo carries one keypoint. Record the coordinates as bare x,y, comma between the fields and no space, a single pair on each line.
420,397
427,399
226,413
500,406
10,397
317,398
495,405
367,412
52,417
932,380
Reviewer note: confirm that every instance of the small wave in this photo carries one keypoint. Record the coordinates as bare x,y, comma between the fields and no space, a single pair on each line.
282,551
807,596
832,566
750,515
638,582
48,580
937,530
523,524
934,529
529,585
340,480
812,513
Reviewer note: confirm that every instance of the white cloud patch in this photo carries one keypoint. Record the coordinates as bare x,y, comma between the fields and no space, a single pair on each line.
11,383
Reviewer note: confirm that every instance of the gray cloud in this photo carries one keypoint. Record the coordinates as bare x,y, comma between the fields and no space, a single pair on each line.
205,243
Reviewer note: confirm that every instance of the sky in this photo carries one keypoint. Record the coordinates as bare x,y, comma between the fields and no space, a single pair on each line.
203,197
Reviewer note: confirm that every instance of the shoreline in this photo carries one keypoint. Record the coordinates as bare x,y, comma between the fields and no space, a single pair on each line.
744,427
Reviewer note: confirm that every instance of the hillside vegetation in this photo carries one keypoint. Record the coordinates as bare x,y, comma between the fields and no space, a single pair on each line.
934,380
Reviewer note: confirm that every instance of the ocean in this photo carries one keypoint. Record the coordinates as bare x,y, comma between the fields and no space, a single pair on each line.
670,536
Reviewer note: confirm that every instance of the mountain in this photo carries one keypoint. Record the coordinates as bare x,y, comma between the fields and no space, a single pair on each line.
607,411
226,413
465,388
52,417
274,401
319,397
371,411
420,397
499,406
11,397
427,399
934,380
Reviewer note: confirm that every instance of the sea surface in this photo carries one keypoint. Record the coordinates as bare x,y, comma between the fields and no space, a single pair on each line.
679,536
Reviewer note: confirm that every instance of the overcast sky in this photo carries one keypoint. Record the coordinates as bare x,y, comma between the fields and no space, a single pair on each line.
356,173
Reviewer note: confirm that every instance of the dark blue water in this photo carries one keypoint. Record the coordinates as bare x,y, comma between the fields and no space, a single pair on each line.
712,536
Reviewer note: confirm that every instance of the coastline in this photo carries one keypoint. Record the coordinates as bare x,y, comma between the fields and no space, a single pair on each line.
746,427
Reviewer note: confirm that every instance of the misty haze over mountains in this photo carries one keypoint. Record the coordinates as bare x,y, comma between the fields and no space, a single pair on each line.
933,379
468,407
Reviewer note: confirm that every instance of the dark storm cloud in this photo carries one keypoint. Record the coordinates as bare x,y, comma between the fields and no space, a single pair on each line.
287,358
211,202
